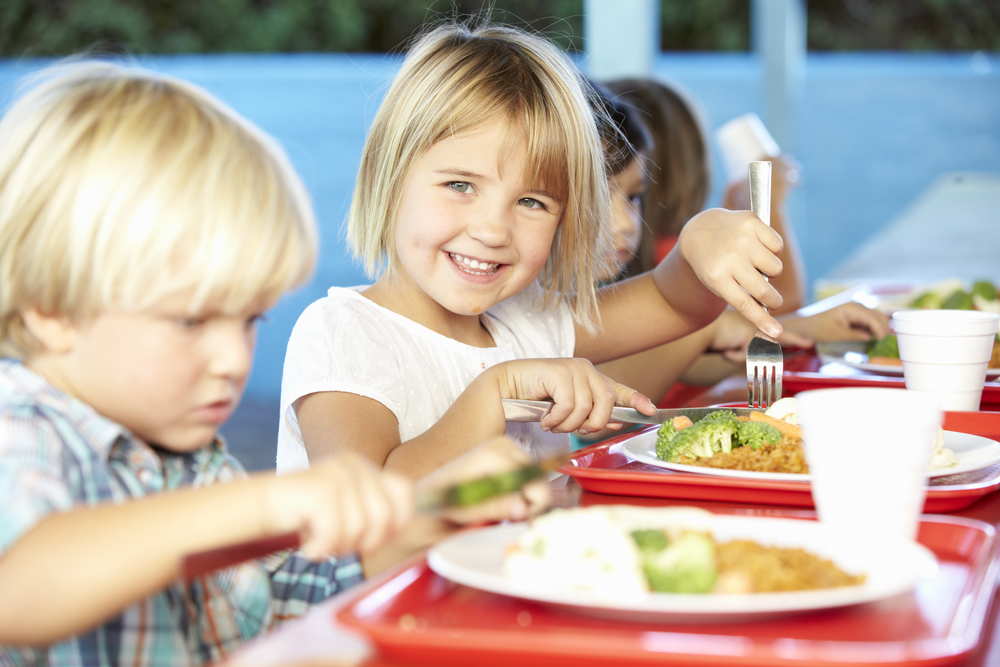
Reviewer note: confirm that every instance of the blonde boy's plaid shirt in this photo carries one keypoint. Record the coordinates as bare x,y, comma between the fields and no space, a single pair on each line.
57,453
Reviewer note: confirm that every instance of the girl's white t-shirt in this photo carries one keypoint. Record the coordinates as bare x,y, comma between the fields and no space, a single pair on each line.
346,342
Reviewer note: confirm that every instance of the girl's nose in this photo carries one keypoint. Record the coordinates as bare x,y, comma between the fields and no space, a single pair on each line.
492,227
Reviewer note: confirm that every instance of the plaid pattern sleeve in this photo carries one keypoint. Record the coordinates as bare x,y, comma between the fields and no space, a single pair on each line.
297,583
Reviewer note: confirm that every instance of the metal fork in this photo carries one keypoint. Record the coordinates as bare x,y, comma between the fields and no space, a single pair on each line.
764,359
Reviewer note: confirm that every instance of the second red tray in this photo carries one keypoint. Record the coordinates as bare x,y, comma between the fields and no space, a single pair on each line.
604,468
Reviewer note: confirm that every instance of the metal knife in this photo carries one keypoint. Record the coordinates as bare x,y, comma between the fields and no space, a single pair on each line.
519,410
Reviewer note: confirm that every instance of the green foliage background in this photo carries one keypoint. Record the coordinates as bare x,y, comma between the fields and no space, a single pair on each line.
59,27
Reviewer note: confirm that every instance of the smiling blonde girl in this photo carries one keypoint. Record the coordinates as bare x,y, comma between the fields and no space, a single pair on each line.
481,209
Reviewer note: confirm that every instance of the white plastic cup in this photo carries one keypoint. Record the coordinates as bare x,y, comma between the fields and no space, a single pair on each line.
946,353
743,140
868,450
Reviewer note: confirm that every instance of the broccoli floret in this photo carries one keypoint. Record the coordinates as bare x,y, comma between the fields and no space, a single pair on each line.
884,347
754,434
650,540
927,300
985,289
703,438
958,300
687,565
723,416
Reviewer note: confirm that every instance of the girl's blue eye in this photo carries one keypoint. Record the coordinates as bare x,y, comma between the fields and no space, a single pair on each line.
531,203
459,186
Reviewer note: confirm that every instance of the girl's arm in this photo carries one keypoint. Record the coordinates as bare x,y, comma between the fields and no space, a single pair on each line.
332,422
76,569
719,258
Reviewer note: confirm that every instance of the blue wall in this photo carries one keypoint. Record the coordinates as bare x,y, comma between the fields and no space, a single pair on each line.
873,132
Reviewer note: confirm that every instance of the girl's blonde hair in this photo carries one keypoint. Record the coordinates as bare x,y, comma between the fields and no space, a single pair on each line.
119,187
459,77
678,165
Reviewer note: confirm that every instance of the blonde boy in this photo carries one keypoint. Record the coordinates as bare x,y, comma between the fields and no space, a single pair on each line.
144,229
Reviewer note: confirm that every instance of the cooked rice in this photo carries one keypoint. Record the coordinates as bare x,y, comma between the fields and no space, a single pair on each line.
773,569
786,456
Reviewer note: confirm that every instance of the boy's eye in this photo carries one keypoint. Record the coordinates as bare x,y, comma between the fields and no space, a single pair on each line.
191,322
460,186
254,320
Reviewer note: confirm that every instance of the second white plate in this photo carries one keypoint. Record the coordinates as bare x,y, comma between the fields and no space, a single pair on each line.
852,353
475,558
974,452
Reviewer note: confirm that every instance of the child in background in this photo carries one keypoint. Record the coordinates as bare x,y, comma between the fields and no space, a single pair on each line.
628,146
482,196
144,230
679,182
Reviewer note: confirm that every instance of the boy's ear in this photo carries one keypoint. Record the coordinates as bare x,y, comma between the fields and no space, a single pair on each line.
54,332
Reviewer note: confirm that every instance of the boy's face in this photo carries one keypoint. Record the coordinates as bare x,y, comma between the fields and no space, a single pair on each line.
468,233
169,377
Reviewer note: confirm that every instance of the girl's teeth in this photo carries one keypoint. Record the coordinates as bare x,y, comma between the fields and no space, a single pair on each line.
474,264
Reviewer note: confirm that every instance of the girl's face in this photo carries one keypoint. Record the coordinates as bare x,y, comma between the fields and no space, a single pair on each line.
627,189
169,377
472,229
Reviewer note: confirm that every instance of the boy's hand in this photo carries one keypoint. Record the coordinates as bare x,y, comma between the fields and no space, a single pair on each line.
582,396
728,251
492,457
342,504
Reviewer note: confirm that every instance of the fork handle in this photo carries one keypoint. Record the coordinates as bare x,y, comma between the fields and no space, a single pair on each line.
760,195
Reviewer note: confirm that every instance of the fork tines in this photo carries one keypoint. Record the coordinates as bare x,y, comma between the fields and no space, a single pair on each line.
764,370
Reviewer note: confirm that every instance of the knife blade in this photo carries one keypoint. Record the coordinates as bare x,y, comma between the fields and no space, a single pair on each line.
520,410
464,494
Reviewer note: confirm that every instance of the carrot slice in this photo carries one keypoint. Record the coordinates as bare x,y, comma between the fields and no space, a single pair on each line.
789,430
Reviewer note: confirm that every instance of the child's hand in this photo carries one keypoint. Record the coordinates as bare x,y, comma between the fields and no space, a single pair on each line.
728,251
341,504
732,334
492,457
848,321
583,397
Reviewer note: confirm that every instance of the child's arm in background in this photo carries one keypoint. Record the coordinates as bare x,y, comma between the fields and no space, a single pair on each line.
719,258
331,422
791,284
78,568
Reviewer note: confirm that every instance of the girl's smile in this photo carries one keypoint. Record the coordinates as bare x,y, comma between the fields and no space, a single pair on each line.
472,230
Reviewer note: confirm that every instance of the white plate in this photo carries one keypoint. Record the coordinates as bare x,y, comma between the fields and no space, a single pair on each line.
974,452
852,353
475,558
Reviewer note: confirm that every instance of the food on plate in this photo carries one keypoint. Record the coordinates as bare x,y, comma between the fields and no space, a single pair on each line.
952,295
621,552
768,441
884,351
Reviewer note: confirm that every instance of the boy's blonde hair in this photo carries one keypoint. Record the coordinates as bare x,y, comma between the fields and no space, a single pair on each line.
119,187
457,78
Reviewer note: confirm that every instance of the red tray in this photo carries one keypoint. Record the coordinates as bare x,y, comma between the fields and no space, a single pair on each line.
419,618
804,370
604,468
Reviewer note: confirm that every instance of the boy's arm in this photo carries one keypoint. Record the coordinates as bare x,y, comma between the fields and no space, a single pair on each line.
75,569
